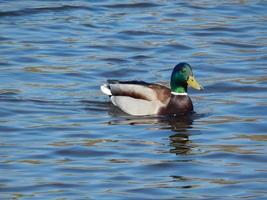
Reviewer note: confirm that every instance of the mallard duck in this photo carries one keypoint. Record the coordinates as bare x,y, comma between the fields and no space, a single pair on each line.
141,98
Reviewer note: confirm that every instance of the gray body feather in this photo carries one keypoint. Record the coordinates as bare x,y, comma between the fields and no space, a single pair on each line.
136,107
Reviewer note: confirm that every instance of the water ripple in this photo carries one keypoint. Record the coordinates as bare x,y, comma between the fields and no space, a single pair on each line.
32,11
239,45
132,5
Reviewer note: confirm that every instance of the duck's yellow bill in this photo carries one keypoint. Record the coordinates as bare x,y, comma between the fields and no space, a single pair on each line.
193,83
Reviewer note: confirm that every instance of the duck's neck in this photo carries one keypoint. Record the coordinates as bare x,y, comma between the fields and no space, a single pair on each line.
178,88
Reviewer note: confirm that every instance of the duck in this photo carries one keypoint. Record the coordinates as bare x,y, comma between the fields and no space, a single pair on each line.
139,98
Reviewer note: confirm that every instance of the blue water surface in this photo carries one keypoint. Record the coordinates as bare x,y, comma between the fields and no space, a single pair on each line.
60,137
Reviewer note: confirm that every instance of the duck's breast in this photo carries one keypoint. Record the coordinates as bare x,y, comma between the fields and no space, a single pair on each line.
177,104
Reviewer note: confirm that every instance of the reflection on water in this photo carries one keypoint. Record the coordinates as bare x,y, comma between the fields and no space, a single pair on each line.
60,138
180,125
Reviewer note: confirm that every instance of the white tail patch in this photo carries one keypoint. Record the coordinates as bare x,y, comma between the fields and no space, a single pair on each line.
104,88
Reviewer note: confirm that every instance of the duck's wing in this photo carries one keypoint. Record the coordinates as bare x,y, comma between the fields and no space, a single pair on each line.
136,97
138,90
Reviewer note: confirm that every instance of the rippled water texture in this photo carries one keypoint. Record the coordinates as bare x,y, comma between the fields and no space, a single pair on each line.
61,138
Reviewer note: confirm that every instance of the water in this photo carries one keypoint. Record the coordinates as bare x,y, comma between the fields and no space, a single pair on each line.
62,139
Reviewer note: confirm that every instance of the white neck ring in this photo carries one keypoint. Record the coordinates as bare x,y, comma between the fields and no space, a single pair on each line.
181,94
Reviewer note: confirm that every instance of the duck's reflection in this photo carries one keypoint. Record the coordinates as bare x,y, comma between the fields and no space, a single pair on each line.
179,141
180,126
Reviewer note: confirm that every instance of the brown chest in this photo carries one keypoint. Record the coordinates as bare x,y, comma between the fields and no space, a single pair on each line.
177,104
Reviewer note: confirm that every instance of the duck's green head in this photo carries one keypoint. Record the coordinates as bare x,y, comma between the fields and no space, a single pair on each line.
182,76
